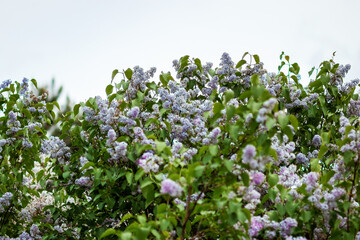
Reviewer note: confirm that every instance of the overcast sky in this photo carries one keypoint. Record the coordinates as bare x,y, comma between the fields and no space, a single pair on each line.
80,42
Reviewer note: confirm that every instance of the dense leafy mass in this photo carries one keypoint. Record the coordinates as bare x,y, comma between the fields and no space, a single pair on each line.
233,152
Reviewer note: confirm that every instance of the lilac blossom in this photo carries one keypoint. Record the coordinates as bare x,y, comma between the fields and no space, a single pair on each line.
249,153
170,187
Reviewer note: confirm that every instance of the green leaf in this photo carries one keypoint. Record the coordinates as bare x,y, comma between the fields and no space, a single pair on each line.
315,165
109,89
270,122
322,103
26,112
283,120
126,217
229,95
229,165
294,122
217,108
49,106
108,232
146,182
213,149
240,63
128,73
114,74
272,179
348,156
255,80
311,71
34,82
234,132
160,146
323,150
290,208
198,171
245,178
129,177
139,174
165,78
76,109
230,111
66,174
325,138
198,64
257,59
295,68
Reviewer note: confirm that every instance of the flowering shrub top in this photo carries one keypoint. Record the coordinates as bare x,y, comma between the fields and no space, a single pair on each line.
231,152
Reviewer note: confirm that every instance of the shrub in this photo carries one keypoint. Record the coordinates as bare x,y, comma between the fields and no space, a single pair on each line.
227,153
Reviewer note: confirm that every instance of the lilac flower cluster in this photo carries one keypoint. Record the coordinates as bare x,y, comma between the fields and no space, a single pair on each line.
5,84
260,223
283,149
171,187
5,201
267,108
138,81
193,197
150,162
84,181
56,148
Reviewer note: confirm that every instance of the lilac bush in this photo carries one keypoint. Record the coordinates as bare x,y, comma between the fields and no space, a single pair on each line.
233,152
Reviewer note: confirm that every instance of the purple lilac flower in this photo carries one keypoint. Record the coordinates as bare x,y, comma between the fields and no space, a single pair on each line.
257,177
26,143
32,109
111,136
338,192
5,84
133,112
24,87
139,132
2,142
84,181
170,187
25,236
287,224
316,141
83,160
302,159
214,133
35,232
256,226
249,153
177,146
178,201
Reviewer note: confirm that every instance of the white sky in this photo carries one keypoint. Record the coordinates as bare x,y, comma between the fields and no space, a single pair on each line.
80,42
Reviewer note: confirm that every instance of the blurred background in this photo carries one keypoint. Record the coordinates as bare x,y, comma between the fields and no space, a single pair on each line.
79,43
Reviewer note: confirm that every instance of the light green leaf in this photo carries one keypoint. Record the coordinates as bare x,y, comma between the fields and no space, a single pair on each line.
108,232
